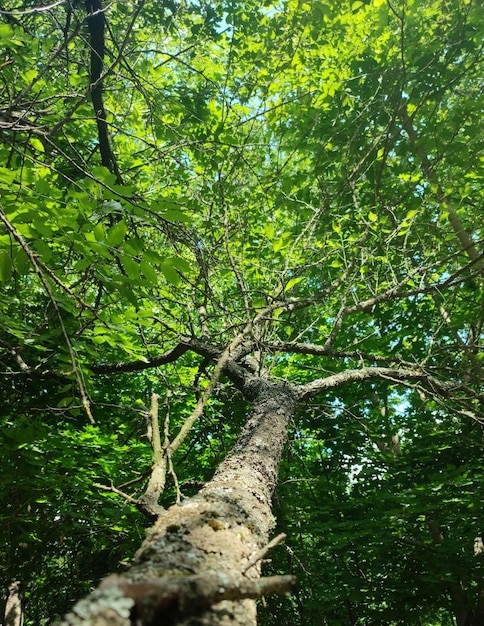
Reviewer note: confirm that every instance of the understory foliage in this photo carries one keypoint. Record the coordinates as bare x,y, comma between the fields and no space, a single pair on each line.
298,184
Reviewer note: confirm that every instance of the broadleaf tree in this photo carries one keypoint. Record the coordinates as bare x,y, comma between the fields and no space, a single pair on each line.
242,307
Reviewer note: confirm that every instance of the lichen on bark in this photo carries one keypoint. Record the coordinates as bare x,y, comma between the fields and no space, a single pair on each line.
198,564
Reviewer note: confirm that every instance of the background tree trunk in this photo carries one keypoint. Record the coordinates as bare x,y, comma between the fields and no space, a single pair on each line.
13,608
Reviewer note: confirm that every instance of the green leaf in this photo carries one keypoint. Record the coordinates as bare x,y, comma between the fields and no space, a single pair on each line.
99,233
37,144
292,282
131,267
5,266
64,402
104,175
21,261
116,234
170,273
6,32
180,264
6,175
175,215
149,272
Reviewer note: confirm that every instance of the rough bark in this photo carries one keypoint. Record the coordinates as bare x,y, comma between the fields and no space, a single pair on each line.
13,608
200,563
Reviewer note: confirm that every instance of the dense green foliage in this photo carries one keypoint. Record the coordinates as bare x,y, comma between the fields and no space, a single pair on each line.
307,174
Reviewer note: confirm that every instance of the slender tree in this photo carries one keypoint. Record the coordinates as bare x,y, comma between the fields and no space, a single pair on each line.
238,242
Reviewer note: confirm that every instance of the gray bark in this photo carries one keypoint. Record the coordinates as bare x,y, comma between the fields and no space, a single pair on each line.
13,608
200,563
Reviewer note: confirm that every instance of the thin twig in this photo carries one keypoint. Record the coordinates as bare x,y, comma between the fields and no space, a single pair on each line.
167,449
114,489
33,260
263,551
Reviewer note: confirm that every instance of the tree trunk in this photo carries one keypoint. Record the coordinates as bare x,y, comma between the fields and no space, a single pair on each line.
200,563
13,608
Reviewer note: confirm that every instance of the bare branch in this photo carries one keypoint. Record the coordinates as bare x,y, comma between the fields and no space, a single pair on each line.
114,489
167,449
148,503
135,366
316,350
321,385
40,9
263,551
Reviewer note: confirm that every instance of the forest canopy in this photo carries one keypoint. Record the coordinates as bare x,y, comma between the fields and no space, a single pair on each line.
219,217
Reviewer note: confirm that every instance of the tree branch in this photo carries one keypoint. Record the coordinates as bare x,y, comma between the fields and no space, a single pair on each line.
137,366
148,503
40,273
465,239
296,347
263,551
321,385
